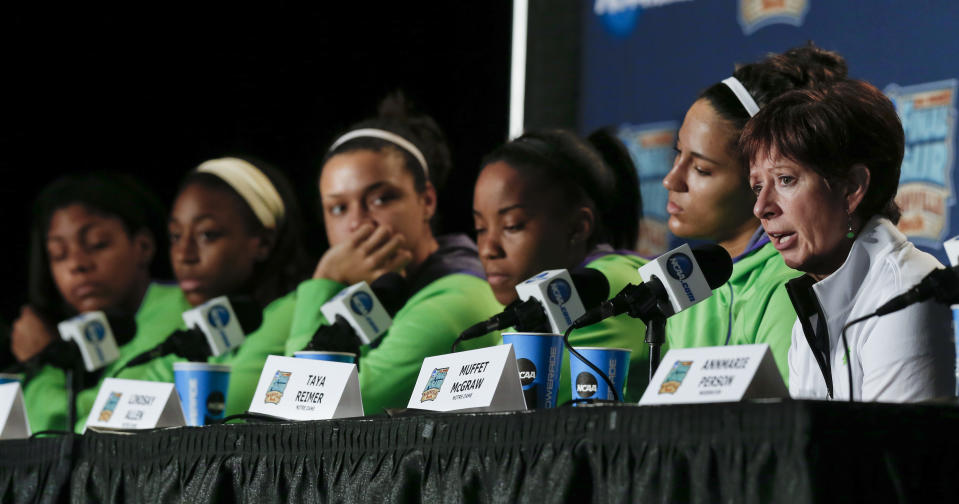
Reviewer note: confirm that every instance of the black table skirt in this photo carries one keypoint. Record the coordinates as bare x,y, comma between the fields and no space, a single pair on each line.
793,451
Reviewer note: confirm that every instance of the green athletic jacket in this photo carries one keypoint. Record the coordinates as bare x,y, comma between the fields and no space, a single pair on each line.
448,294
753,307
44,394
246,361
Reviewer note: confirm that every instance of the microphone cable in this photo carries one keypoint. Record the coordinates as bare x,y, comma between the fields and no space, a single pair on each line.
572,351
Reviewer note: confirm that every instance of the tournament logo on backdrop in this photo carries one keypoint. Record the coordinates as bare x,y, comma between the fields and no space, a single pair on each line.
434,383
275,391
756,14
651,147
928,114
675,377
107,412
621,16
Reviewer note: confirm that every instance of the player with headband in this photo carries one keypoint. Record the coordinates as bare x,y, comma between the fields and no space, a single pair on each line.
378,186
710,199
234,231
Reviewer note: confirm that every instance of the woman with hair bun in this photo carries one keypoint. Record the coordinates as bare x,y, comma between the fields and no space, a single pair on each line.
234,231
710,199
93,240
548,200
378,185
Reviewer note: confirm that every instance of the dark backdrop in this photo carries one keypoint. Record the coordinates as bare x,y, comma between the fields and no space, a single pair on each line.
155,92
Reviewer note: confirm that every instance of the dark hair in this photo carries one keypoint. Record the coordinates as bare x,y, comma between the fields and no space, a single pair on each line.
397,115
626,206
830,129
287,264
797,68
109,194
560,159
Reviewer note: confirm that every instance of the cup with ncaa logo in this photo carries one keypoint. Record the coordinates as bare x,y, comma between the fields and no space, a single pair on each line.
347,357
589,385
9,378
202,388
539,357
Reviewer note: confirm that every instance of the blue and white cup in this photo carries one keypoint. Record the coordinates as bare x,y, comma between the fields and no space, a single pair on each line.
587,384
347,357
9,378
202,388
539,357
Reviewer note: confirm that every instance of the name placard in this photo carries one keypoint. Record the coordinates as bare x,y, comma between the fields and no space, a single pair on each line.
715,374
13,413
307,389
485,379
134,405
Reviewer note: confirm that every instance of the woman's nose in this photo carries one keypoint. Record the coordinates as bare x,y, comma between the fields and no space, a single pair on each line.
766,207
675,180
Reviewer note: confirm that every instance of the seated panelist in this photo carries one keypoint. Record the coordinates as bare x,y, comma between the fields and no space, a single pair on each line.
710,199
378,186
92,243
824,165
548,200
234,231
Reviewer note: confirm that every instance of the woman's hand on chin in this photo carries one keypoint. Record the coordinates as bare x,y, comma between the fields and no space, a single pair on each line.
367,254
30,335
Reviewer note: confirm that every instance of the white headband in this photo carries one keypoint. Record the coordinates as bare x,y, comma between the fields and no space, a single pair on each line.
744,97
384,135
252,185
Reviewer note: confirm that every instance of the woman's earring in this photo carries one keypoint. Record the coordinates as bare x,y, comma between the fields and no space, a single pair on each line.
850,234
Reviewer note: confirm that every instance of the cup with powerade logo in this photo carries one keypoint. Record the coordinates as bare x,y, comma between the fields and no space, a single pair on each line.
202,388
347,357
587,384
539,357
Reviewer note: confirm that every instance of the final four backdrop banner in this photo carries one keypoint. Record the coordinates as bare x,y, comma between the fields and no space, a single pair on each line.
645,61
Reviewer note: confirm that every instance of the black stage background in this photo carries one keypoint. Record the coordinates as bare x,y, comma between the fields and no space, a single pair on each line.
156,91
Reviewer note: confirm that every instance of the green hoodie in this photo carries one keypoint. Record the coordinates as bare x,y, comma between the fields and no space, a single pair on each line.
427,324
753,307
45,394
246,361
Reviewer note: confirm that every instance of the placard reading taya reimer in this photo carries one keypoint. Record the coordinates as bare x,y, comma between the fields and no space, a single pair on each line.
307,389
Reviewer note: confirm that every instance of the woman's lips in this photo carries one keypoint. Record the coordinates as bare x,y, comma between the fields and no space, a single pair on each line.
189,284
86,290
782,241
673,208
499,280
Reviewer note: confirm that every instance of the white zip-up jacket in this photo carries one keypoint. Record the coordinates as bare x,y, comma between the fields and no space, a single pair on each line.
905,356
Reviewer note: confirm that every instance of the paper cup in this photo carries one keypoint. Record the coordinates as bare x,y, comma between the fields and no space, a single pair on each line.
9,378
587,384
202,388
347,357
539,357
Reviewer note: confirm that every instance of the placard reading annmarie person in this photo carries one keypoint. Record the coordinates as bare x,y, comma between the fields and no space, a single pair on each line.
307,389
13,413
715,374
135,405
486,379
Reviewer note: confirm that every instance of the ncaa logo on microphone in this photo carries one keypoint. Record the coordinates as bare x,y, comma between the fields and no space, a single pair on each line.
558,292
218,316
680,267
361,303
94,332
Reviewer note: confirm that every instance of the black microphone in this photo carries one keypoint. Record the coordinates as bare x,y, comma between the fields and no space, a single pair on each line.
390,290
656,297
942,284
591,287
192,343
